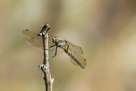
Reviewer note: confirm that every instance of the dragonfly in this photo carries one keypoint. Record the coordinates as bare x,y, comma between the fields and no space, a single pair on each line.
72,50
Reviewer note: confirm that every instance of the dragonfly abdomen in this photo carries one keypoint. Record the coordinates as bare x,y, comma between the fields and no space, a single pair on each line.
75,59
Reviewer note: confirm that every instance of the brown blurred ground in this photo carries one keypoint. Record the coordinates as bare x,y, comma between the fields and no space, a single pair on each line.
105,29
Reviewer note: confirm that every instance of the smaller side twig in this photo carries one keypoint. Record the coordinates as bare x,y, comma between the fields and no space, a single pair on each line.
45,66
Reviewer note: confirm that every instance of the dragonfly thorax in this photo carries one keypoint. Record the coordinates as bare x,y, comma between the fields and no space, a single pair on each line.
59,43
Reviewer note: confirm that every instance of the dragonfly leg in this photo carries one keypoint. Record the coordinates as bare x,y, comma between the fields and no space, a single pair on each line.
54,54
51,47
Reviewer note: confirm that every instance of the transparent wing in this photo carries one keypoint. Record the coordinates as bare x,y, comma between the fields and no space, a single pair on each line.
33,39
75,48
36,44
76,58
31,35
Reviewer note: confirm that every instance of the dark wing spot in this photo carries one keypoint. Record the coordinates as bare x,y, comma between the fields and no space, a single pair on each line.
26,30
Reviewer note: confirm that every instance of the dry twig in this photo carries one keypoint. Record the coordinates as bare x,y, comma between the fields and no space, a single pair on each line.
45,66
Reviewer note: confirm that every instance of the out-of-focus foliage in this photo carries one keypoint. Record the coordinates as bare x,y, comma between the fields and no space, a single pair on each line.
105,29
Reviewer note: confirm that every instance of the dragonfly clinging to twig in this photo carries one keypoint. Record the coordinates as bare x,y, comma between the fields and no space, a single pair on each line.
73,51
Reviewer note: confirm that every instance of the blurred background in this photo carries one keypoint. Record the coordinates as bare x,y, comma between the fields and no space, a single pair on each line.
105,29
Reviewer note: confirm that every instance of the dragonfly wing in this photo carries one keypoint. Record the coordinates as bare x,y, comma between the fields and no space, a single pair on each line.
31,35
33,39
36,44
76,48
76,58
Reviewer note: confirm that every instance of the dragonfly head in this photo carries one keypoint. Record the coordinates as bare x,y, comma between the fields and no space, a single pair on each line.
55,39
